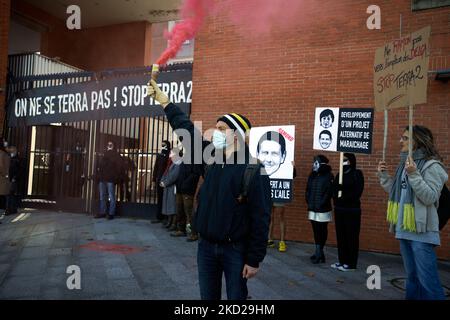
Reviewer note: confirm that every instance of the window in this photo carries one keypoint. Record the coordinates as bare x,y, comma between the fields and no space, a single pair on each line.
429,4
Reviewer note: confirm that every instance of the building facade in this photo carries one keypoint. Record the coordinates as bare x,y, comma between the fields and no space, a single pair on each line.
278,77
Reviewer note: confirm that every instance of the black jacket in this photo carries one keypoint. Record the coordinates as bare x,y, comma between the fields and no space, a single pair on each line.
319,189
220,217
352,189
16,172
187,179
160,166
110,167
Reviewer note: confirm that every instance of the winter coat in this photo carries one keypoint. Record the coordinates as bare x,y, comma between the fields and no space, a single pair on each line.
427,186
319,190
169,178
220,217
187,179
110,167
160,166
15,174
352,189
4,173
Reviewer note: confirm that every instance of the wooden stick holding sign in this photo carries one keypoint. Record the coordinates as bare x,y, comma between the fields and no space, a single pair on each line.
341,172
385,133
410,139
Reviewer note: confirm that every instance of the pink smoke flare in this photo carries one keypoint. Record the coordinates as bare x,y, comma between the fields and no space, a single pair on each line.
193,13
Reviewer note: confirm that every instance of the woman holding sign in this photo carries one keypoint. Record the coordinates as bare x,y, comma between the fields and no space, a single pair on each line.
319,191
414,193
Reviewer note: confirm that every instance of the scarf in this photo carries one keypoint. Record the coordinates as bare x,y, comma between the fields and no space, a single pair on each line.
409,221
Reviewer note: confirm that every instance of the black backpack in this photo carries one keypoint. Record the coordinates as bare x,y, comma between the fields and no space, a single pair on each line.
444,207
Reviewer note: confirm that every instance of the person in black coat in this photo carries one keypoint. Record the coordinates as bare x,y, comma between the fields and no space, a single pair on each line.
233,230
186,186
15,177
347,211
319,191
108,175
158,171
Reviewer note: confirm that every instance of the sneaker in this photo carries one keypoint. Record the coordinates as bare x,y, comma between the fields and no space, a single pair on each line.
336,265
110,217
98,216
192,238
271,244
178,234
282,246
345,268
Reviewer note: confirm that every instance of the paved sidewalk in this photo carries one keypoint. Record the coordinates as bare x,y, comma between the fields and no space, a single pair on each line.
132,259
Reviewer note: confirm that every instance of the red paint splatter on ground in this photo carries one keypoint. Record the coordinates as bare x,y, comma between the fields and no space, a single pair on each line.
112,248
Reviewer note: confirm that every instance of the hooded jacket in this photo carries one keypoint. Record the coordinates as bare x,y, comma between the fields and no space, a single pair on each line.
187,179
352,187
319,189
220,217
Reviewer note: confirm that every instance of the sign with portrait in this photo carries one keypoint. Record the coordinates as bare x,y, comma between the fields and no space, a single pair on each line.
273,146
351,130
326,129
401,71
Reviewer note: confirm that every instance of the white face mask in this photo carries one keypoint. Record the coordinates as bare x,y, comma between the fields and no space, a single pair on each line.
316,166
219,140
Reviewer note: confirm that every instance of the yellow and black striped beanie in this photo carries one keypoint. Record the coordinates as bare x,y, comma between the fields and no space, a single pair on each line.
237,122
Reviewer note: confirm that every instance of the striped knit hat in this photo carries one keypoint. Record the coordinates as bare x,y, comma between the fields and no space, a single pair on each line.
237,122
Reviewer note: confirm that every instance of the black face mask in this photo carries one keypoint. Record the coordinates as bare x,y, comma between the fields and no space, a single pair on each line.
165,150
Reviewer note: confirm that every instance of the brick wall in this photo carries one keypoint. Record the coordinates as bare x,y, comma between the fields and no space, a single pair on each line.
326,60
4,29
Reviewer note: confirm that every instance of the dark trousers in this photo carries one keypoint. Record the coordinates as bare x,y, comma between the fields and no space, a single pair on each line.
184,210
159,199
12,203
320,230
348,225
213,260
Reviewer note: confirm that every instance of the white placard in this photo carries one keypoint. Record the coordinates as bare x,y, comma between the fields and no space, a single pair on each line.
326,129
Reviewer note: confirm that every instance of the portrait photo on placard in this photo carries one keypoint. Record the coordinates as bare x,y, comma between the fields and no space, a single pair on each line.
325,129
274,147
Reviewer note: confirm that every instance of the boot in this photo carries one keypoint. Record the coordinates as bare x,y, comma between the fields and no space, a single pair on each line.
314,256
320,256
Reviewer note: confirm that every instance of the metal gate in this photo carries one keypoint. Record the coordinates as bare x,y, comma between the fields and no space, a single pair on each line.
60,159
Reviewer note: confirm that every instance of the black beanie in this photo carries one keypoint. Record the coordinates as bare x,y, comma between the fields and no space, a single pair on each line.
237,122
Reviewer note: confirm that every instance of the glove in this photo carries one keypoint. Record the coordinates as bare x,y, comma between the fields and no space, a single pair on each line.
155,92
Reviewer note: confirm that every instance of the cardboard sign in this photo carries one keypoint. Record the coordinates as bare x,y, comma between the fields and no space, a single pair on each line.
350,131
274,147
401,71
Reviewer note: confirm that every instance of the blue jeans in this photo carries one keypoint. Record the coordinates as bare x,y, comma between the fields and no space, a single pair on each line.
421,269
215,259
107,190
